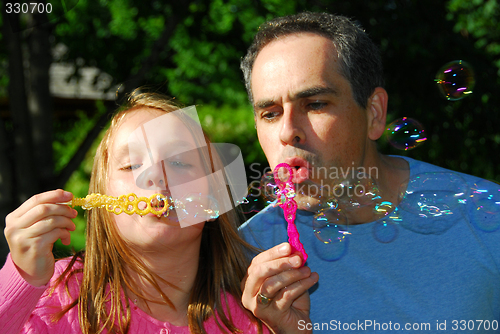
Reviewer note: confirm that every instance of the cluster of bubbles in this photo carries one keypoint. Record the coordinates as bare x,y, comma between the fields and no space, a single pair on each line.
428,203
192,205
197,206
455,81
334,207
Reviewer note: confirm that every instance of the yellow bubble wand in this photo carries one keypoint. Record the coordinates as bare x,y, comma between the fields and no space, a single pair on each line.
128,204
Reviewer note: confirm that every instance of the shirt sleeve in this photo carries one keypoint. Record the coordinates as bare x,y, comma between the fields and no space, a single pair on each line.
18,299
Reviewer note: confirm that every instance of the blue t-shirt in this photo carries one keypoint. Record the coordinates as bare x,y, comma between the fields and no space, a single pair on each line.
431,265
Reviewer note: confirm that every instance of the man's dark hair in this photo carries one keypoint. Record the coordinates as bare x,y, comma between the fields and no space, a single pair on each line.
359,57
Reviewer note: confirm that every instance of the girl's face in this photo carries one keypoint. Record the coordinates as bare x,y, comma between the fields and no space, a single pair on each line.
150,154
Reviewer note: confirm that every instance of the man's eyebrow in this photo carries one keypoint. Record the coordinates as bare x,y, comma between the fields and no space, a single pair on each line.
315,91
263,104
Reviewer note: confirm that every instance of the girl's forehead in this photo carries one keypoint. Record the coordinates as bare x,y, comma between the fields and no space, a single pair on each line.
138,118
152,128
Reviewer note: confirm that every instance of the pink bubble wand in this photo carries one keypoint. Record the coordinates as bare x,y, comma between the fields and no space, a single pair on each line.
286,193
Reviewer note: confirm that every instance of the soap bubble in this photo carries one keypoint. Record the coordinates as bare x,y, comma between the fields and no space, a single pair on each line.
385,231
359,192
361,199
329,226
455,80
383,208
313,197
268,187
195,208
432,203
485,207
405,134
330,229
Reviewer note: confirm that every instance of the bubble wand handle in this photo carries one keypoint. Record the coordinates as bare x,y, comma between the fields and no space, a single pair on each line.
128,204
286,193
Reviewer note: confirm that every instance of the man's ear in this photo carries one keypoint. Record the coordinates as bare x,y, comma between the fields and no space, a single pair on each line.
377,113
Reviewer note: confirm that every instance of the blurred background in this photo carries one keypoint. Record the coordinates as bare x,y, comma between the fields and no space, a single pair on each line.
63,73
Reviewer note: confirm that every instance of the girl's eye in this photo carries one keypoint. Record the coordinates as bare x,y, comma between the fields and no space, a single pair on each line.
132,167
179,164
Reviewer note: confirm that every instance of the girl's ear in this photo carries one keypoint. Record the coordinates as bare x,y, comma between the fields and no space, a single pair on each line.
377,113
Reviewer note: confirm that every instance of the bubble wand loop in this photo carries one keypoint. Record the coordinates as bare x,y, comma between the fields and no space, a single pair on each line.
286,193
128,204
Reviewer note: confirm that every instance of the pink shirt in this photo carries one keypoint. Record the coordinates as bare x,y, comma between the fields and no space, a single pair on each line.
28,309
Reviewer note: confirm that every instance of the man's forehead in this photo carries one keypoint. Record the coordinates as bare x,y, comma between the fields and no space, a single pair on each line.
292,55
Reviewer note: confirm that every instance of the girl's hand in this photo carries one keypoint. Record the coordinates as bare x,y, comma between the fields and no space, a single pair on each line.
32,229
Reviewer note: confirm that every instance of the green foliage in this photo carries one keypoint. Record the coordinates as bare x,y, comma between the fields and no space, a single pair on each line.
235,125
69,136
70,133
480,19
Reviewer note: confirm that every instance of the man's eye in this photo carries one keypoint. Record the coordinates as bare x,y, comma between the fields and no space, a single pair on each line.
269,115
316,105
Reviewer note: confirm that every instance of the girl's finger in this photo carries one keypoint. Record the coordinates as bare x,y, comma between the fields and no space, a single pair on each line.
51,223
53,196
44,211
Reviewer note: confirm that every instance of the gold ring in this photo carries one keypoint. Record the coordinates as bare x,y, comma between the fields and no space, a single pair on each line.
261,299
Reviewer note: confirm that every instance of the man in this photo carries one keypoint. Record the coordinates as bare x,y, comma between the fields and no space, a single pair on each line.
409,248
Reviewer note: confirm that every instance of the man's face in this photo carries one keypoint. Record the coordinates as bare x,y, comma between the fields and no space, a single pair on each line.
305,112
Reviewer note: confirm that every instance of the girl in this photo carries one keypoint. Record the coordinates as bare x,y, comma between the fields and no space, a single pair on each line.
138,274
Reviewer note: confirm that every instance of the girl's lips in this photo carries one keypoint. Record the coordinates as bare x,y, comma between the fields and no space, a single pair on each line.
300,168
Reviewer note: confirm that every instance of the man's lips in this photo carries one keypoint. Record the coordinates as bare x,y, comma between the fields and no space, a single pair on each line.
300,168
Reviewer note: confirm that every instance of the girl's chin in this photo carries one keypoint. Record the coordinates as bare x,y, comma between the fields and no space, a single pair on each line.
170,220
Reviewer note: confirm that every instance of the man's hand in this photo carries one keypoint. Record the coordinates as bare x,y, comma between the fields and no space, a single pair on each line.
275,289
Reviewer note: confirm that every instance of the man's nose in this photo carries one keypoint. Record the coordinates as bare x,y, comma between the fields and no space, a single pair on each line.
291,132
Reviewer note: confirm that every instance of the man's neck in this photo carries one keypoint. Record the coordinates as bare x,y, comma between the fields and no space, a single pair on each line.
391,174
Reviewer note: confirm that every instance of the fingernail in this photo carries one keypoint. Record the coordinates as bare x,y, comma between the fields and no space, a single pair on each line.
315,277
75,213
295,261
283,249
67,195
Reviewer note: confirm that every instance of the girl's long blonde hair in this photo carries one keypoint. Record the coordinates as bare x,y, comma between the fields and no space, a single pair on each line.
107,258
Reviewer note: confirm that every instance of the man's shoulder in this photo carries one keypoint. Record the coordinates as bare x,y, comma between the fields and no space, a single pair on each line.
418,167
260,217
